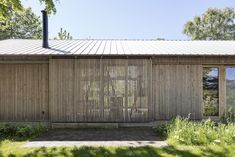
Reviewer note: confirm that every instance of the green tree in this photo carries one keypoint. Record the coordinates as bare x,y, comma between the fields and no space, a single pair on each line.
64,35
160,39
214,24
21,26
16,6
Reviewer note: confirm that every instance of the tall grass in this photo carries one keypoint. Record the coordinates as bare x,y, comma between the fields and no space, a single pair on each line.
198,133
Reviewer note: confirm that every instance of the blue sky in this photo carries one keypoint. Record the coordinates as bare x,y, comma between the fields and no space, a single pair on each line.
230,71
125,19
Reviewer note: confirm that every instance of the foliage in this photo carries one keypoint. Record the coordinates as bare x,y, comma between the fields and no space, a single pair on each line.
214,24
23,131
160,39
210,106
24,26
228,116
64,35
163,129
14,148
200,133
210,91
16,6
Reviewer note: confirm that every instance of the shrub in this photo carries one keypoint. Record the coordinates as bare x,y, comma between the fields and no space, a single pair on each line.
200,133
162,130
228,116
7,130
23,131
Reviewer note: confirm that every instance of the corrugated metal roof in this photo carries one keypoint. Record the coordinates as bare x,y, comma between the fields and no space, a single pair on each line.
116,47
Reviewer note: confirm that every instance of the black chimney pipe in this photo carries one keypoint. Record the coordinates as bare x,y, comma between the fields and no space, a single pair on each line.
45,29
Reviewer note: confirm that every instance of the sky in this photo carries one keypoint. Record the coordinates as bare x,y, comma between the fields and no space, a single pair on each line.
230,71
125,19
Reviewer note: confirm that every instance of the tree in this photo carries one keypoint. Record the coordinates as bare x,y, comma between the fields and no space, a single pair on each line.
160,39
21,26
214,24
16,6
64,35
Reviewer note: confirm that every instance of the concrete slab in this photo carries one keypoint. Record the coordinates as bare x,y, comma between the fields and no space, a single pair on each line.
133,137
95,143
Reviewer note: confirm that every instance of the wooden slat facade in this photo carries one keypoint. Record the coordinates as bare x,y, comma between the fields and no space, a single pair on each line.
93,90
177,91
105,89
24,92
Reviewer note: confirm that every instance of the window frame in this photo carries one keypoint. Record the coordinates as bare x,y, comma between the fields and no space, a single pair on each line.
220,69
225,74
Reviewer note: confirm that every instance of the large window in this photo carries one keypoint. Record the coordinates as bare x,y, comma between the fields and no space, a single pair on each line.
111,90
211,91
230,88
125,90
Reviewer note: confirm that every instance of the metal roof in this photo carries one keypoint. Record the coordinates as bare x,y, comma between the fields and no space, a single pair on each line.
98,47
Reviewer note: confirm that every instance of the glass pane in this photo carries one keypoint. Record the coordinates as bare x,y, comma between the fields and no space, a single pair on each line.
89,84
114,90
137,92
125,90
211,91
230,88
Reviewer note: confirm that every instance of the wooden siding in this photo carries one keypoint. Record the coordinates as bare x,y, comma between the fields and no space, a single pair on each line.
177,90
61,90
194,60
222,90
107,89
93,90
23,92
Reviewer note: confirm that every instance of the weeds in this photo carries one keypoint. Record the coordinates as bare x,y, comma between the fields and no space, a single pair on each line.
199,133
20,132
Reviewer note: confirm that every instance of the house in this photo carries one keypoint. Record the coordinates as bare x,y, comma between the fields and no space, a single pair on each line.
115,81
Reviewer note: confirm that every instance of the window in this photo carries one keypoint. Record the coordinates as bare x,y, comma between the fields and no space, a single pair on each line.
230,88
125,90
211,91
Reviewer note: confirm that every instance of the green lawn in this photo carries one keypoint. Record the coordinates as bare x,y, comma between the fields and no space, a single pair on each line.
11,149
214,140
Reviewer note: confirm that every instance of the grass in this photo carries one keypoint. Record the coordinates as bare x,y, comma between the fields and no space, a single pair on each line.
204,132
14,149
185,139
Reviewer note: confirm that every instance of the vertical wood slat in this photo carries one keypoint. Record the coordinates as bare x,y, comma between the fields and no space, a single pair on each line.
172,96
177,91
156,95
126,116
24,88
61,91
79,107
81,90
101,89
149,89
22,93
222,90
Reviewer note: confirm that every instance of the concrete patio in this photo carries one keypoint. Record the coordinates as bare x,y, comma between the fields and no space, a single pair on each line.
131,137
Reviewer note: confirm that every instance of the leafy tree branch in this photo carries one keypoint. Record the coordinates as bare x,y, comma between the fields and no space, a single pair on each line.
214,24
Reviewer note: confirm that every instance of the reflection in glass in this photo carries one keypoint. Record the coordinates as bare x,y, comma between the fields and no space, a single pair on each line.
125,90
137,93
211,91
230,88
89,84
114,91
111,90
